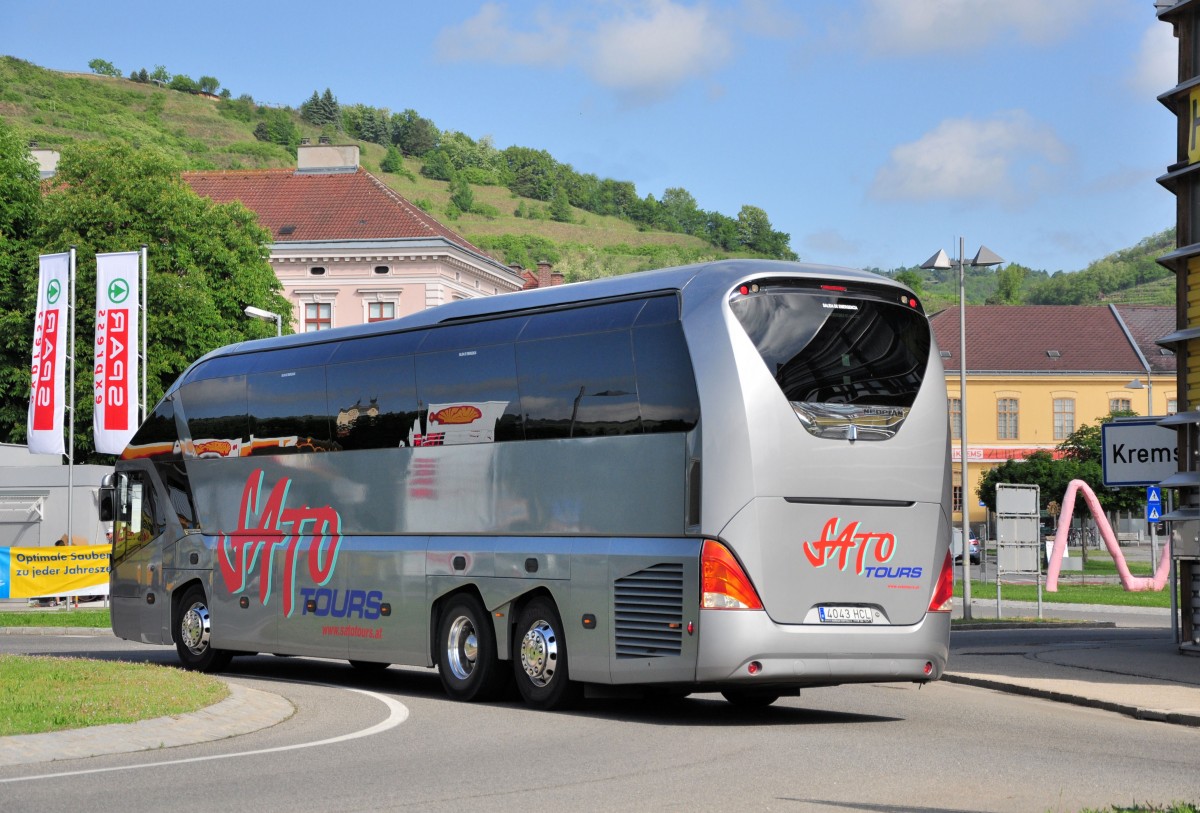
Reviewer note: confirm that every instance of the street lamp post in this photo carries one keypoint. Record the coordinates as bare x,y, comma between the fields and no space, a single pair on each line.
983,257
1136,384
266,316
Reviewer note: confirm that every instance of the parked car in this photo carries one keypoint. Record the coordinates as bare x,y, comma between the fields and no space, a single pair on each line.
974,549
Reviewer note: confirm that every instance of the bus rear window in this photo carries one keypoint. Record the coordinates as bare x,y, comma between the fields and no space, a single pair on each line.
849,362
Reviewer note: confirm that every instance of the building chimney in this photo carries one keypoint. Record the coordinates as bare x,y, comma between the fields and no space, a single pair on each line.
556,278
543,274
326,158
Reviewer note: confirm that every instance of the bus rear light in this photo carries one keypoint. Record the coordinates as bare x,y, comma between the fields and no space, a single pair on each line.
724,585
943,591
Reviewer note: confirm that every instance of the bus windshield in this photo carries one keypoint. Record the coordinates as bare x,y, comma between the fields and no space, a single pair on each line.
850,363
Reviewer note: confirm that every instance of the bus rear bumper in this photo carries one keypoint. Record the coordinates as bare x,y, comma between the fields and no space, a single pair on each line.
745,648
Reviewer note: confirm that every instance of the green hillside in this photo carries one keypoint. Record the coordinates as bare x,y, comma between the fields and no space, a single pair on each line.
206,132
57,109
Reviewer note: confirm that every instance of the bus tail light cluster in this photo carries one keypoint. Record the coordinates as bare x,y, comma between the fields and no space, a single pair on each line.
943,591
723,583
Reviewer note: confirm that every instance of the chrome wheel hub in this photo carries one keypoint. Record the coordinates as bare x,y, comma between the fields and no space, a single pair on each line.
194,629
539,653
462,647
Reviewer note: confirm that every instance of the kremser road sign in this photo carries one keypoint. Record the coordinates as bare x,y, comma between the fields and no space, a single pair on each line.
1137,452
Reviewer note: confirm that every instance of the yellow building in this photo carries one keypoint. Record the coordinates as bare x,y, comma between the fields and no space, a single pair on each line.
1037,373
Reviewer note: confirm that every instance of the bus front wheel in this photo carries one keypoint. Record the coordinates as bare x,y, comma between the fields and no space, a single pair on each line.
192,635
466,651
540,658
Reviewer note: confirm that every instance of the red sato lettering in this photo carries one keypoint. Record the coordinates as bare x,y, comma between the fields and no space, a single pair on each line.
832,543
261,528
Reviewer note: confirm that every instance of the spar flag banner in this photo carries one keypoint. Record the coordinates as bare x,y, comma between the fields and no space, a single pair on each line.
115,415
54,571
46,401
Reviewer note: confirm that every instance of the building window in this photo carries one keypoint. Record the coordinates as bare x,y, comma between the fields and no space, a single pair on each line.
1172,406
1064,417
1120,405
956,418
382,270
1006,418
956,499
316,271
317,316
381,311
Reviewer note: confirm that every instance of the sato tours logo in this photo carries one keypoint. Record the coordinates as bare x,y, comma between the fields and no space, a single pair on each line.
263,526
864,551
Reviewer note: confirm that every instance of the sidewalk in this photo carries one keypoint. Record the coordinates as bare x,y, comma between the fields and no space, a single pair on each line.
1136,670
1141,673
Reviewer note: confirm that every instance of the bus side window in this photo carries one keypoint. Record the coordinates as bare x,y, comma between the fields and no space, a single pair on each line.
144,523
578,386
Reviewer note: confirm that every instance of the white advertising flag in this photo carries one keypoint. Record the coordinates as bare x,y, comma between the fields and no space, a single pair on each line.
115,416
50,351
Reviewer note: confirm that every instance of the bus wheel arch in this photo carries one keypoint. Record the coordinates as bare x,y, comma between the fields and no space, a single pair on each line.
540,657
191,628
465,648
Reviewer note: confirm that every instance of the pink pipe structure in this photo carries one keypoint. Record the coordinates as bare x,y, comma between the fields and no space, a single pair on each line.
1131,583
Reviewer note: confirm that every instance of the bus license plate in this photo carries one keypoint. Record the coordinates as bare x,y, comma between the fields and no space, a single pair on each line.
845,615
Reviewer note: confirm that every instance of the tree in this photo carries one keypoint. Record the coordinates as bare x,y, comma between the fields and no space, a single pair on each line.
461,194
183,83
560,207
160,74
20,212
912,279
208,84
207,262
104,68
392,162
414,135
1009,282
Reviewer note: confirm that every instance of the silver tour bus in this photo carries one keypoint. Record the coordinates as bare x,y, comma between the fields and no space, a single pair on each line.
725,477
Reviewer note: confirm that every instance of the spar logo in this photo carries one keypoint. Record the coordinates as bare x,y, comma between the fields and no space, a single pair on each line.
851,547
263,526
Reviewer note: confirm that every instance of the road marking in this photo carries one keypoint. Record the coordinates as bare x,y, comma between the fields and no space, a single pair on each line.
397,714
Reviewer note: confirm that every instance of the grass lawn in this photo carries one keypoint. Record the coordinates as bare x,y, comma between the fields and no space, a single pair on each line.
1112,594
39,693
55,618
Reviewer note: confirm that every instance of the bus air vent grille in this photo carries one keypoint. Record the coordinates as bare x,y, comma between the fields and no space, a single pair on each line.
649,612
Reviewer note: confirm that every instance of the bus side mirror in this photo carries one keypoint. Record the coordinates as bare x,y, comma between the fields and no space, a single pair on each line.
115,502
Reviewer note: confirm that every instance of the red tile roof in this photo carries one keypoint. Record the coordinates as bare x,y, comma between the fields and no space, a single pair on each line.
1147,324
1087,338
314,206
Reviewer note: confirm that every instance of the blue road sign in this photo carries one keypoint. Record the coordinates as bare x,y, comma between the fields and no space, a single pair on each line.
1153,503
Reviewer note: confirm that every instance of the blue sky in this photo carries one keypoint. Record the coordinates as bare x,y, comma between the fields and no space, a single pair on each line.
874,132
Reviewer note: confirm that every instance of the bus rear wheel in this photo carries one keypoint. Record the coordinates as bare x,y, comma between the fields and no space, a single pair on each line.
540,658
193,632
466,651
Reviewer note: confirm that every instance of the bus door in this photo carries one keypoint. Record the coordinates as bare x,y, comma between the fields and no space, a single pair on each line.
140,606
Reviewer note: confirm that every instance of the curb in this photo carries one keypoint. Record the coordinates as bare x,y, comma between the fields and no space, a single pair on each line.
244,711
1032,625
1137,712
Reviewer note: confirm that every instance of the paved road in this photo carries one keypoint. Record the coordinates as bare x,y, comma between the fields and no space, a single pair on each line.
945,747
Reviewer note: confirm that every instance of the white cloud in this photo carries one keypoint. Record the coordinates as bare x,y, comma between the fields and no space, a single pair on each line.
642,49
489,36
650,50
1004,158
1155,68
941,26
